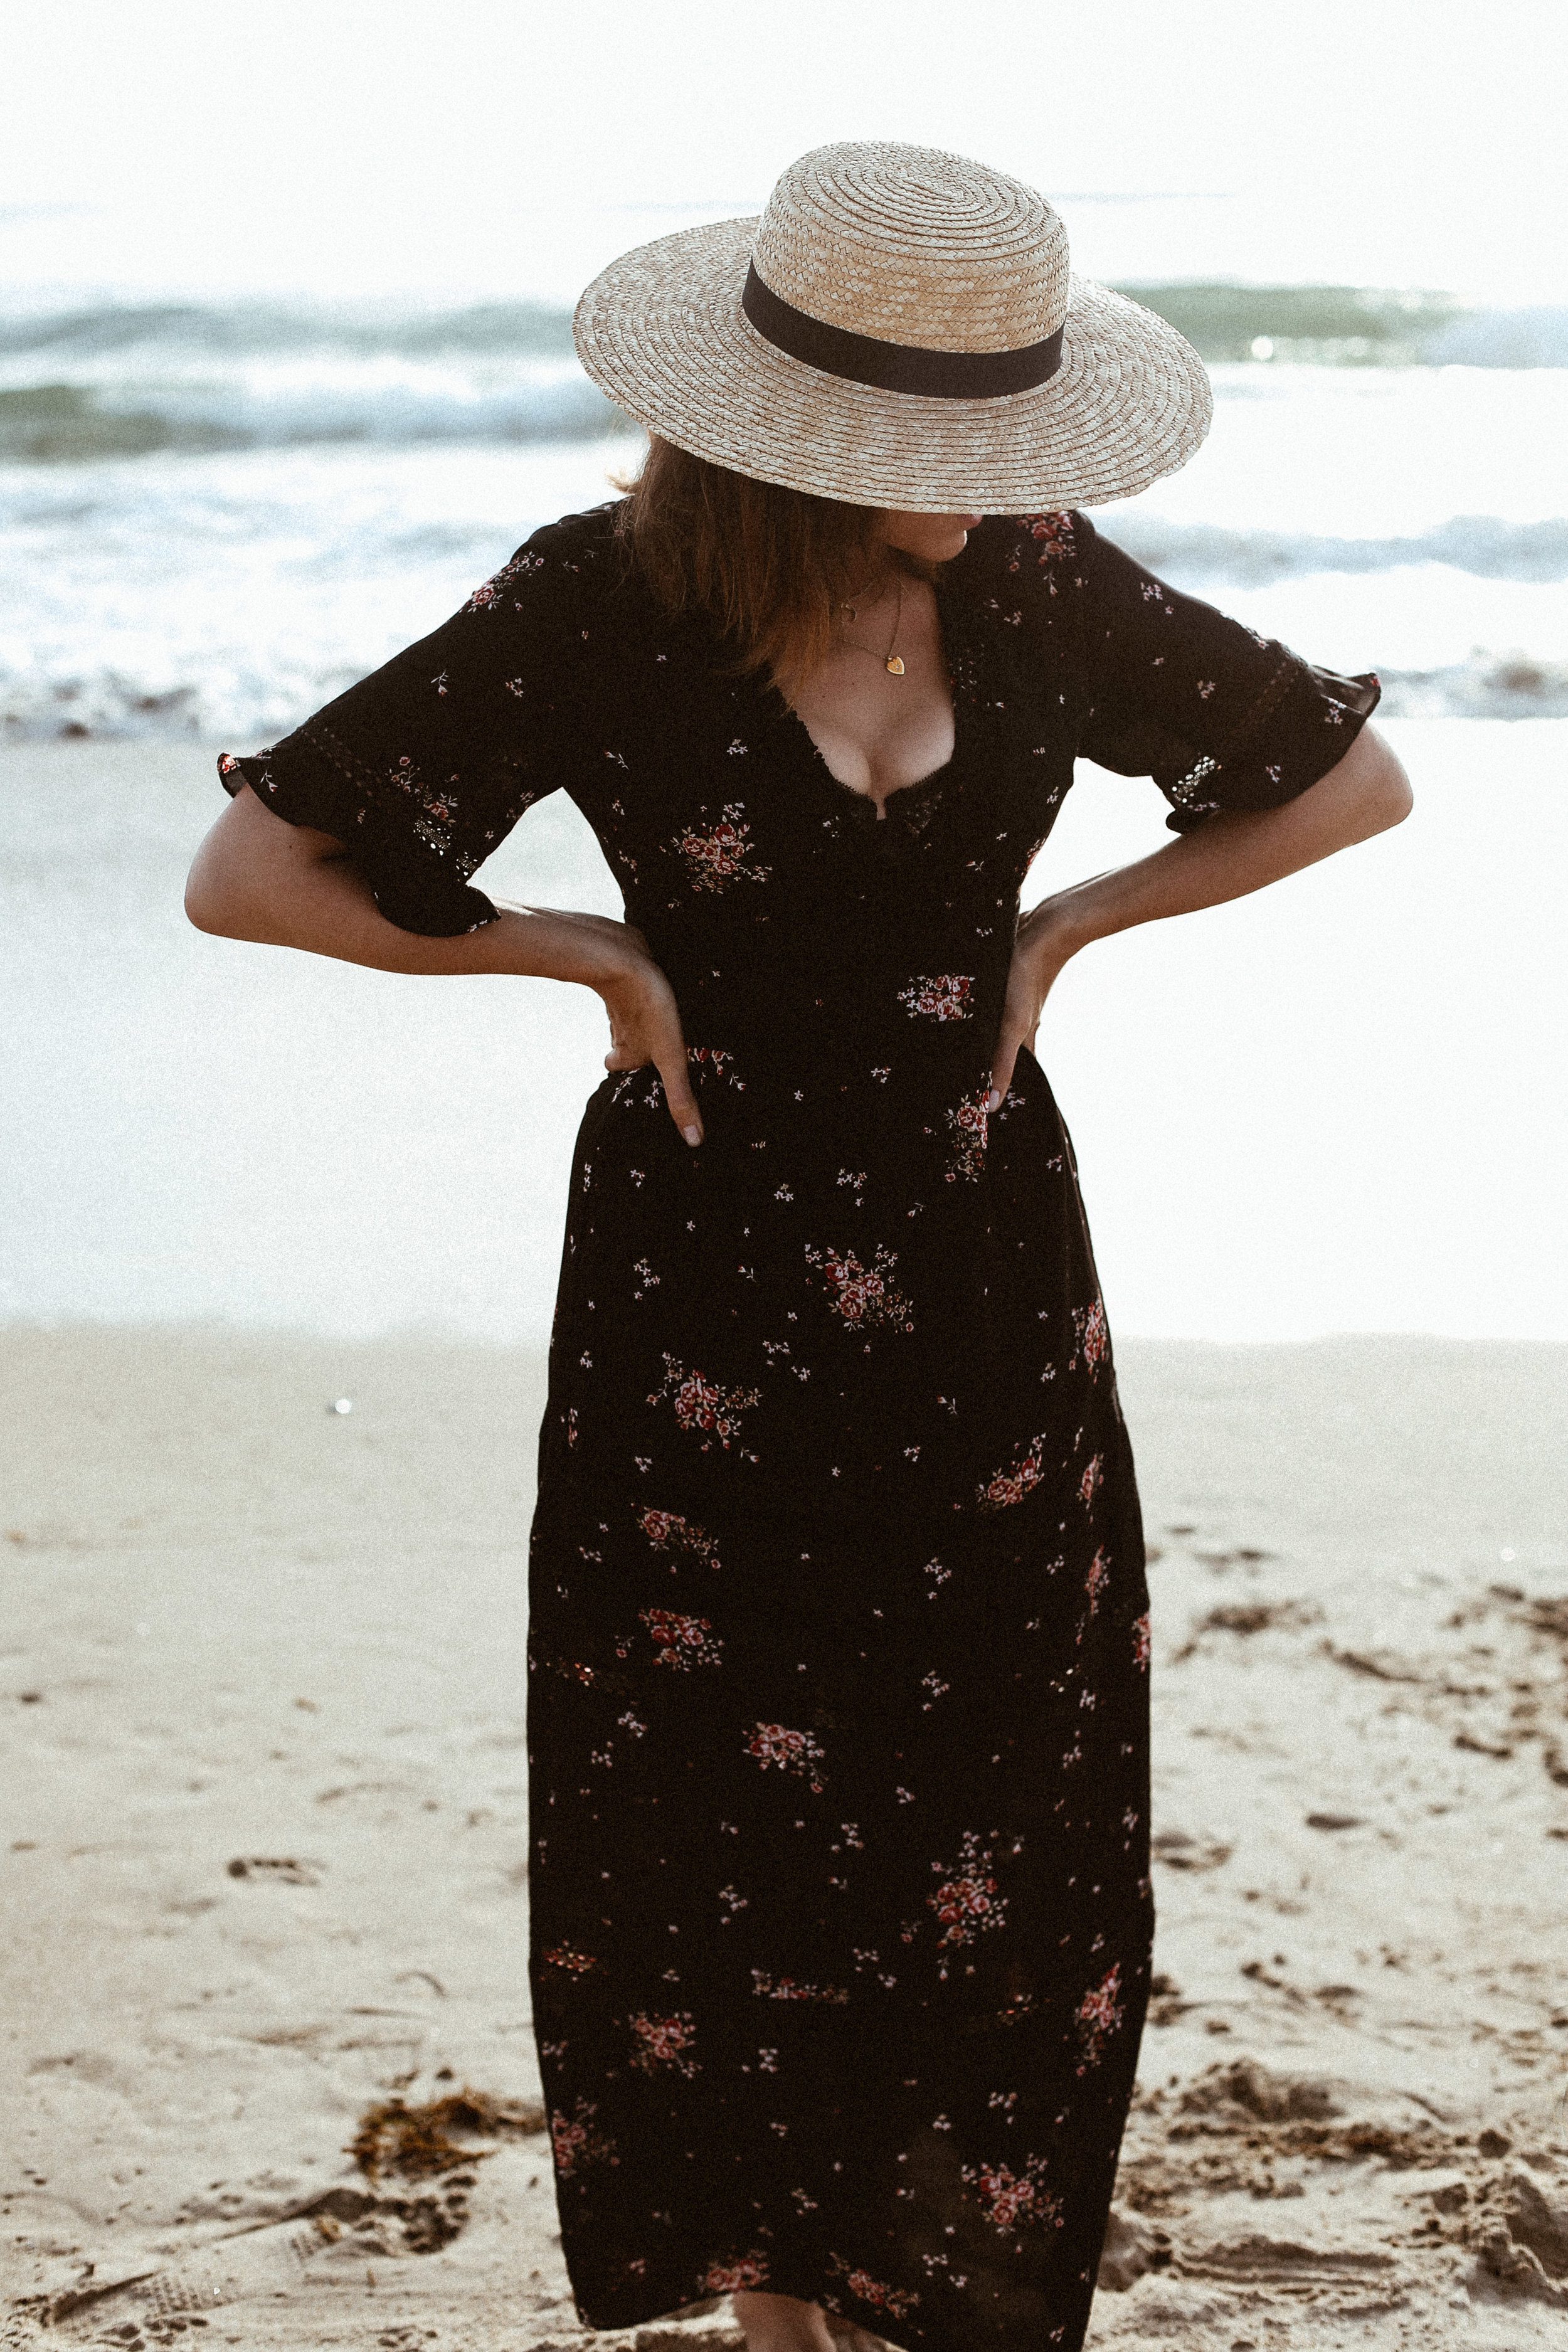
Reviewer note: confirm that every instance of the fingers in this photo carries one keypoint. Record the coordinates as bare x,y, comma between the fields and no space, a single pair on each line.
645,1026
1007,1046
673,1070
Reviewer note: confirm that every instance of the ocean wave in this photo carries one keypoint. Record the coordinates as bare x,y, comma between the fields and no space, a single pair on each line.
1488,686
1197,554
153,333
1356,326
64,424
126,380
236,703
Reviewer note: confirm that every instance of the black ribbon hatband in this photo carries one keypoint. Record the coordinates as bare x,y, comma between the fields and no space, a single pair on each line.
896,367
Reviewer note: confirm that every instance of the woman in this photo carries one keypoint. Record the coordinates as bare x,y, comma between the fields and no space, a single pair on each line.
838,1642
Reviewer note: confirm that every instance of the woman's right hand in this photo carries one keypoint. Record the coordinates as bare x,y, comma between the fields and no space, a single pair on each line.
645,1026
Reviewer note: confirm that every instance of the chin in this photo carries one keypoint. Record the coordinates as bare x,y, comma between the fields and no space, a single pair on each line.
932,537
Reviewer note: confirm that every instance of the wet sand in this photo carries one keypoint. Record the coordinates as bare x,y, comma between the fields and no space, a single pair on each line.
265,1858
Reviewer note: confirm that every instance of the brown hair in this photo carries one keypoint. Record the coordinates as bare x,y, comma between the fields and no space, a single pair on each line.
770,565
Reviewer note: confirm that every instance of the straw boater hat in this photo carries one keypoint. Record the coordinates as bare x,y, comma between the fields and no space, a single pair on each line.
899,329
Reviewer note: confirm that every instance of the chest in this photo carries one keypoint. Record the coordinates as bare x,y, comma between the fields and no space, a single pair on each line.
882,720
715,800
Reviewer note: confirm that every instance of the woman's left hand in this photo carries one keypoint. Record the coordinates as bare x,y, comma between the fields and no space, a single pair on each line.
1046,938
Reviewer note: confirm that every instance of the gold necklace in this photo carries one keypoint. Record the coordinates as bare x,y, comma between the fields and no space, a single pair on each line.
889,660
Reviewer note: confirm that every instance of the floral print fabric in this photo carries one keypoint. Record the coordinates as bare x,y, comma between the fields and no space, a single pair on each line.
839,1648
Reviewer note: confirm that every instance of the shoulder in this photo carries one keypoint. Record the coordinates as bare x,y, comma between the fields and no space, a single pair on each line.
561,567
1020,549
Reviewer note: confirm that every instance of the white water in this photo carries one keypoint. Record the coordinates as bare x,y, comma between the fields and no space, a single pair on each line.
1414,521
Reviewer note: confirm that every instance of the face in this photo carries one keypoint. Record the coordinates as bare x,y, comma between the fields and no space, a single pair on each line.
934,538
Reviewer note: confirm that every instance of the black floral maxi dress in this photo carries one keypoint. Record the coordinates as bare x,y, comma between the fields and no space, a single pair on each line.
840,1637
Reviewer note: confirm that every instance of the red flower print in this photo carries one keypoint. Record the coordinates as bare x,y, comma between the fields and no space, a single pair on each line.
1052,534
864,1295
1010,2200
792,1751
733,2272
966,1125
715,859
683,1641
576,1964
493,589
1093,1476
1098,2015
767,1987
660,2041
576,2144
1140,1641
669,1531
1099,1577
702,1406
1009,1486
717,1059
1093,1335
894,2301
967,1903
942,996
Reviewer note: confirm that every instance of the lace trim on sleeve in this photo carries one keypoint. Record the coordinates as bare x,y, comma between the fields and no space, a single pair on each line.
1186,790
436,822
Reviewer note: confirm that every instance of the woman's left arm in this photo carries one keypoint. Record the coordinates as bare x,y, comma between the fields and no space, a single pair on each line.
1231,855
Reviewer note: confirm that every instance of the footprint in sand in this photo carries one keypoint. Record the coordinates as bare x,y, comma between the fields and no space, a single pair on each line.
279,1869
417,2166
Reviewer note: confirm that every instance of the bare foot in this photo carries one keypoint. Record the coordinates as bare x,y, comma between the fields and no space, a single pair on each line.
781,2323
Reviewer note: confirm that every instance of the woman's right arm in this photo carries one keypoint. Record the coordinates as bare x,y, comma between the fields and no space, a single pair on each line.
257,877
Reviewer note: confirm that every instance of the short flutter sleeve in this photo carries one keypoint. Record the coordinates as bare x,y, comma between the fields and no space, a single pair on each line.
422,768
1219,717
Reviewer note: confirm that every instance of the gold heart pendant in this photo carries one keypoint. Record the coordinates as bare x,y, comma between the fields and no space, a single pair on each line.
895,666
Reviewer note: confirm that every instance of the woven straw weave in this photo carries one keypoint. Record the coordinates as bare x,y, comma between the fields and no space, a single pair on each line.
913,246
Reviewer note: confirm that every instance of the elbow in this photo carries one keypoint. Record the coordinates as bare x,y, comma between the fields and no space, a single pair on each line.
209,906
1391,798
201,908
221,898
1381,789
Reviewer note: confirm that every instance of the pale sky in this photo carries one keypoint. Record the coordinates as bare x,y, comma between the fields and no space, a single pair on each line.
382,146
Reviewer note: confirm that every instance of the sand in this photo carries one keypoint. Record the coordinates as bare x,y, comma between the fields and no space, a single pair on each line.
261,1694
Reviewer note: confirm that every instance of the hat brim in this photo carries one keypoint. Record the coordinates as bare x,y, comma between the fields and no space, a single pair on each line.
663,333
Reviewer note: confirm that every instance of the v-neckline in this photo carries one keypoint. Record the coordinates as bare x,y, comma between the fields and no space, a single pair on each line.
917,785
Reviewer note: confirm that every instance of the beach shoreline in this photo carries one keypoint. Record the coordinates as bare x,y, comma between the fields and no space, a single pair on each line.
266,1863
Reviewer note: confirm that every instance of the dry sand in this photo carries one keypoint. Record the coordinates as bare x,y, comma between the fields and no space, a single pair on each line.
261,1691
